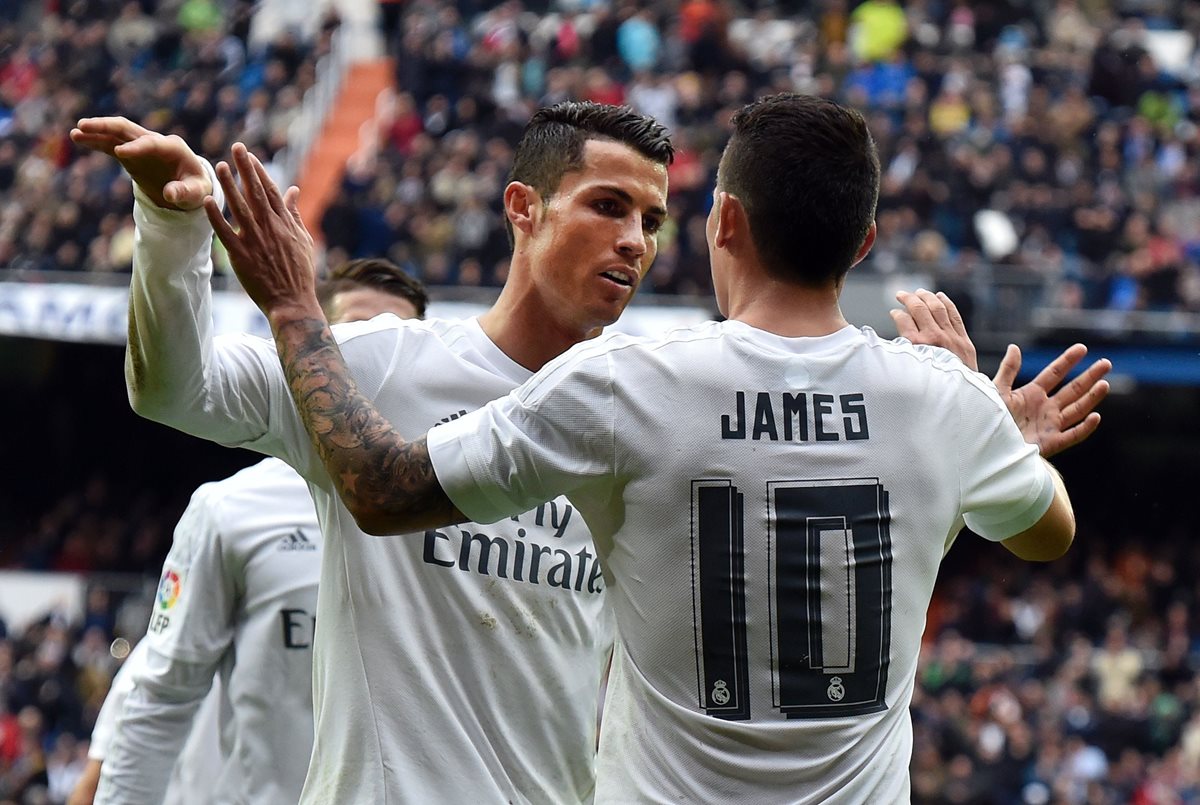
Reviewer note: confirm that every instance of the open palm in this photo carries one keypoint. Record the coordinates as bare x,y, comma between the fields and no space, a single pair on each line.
1054,420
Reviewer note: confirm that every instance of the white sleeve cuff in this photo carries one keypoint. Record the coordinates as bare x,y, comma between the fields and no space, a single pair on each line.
1041,495
454,472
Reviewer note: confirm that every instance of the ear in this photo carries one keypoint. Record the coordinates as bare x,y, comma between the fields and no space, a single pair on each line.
731,219
867,243
522,204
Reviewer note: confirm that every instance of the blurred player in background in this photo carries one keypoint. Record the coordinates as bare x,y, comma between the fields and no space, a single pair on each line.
236,601
795,514
199,761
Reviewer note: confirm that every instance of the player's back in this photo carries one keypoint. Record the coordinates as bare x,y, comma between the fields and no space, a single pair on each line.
273,553
785,504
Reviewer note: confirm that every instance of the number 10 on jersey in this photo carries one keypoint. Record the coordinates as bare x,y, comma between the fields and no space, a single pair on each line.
828,596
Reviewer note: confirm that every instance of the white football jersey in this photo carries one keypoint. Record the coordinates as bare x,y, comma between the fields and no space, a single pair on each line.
458,665
199,762
237,597
772,513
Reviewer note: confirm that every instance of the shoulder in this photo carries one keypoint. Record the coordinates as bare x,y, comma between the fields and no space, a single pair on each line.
936,361
384,325
269,485
630,345
593,364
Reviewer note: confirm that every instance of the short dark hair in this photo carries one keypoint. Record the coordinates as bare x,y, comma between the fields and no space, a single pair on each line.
553,142
375,273
807,172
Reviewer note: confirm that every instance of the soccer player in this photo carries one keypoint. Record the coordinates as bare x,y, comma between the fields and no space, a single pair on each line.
455,665
199,761
237,599
771,495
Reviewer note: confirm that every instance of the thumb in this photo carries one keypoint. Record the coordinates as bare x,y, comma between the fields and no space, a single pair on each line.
291,200
1009,367
187,194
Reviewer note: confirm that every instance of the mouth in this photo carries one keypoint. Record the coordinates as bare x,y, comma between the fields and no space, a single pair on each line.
625,277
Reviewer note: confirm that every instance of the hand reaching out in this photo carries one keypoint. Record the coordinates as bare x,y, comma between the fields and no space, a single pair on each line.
1052,421
271,250
933,319
163,166
1060,420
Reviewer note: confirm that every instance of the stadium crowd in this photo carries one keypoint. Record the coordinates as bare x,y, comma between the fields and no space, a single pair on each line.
1070,683
1044,138
185,68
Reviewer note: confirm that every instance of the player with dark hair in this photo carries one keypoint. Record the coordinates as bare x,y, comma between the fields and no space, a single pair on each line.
363,288
771,495
236,601
460,665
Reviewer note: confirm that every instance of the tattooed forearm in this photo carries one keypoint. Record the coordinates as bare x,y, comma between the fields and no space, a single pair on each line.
388,484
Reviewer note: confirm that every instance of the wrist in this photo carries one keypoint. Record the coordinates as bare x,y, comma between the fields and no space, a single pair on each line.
291,311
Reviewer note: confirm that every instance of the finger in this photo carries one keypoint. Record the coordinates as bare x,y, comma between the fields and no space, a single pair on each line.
1073,436
220,226
186,194
233,196
905,326
1084,405
96,142
918,309
1010,367
1060,367
269,187
255,193
147,145
292,201
956,319
121,128
1082,383
937,308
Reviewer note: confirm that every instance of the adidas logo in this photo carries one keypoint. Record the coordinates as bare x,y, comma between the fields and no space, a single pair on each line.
296,541
451,418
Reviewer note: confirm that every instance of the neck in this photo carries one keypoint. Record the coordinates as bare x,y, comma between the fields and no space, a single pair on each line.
785,309
521,327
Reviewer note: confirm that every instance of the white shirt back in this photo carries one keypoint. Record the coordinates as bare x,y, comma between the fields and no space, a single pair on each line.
237,598
772,512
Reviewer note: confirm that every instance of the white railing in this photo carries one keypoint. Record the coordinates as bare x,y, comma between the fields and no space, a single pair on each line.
351,43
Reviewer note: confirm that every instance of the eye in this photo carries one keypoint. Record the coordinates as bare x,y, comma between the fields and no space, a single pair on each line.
652,225
607,206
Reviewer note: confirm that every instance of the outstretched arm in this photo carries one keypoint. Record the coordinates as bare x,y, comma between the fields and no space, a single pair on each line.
175,372
1053,420
388,484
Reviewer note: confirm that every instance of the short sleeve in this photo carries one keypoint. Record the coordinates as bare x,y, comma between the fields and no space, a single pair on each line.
549,437
1005,486
192,618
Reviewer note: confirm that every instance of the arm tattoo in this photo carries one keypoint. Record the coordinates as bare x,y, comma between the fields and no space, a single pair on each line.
389,481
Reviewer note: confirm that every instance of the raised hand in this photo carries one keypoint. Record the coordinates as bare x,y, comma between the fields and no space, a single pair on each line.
163,166
271,250
1053,422
933,319
1058,420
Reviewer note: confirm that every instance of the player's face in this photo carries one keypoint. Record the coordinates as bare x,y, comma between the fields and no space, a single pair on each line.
361,304
598,236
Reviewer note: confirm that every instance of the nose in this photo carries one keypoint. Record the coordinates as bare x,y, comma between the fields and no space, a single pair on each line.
631,240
